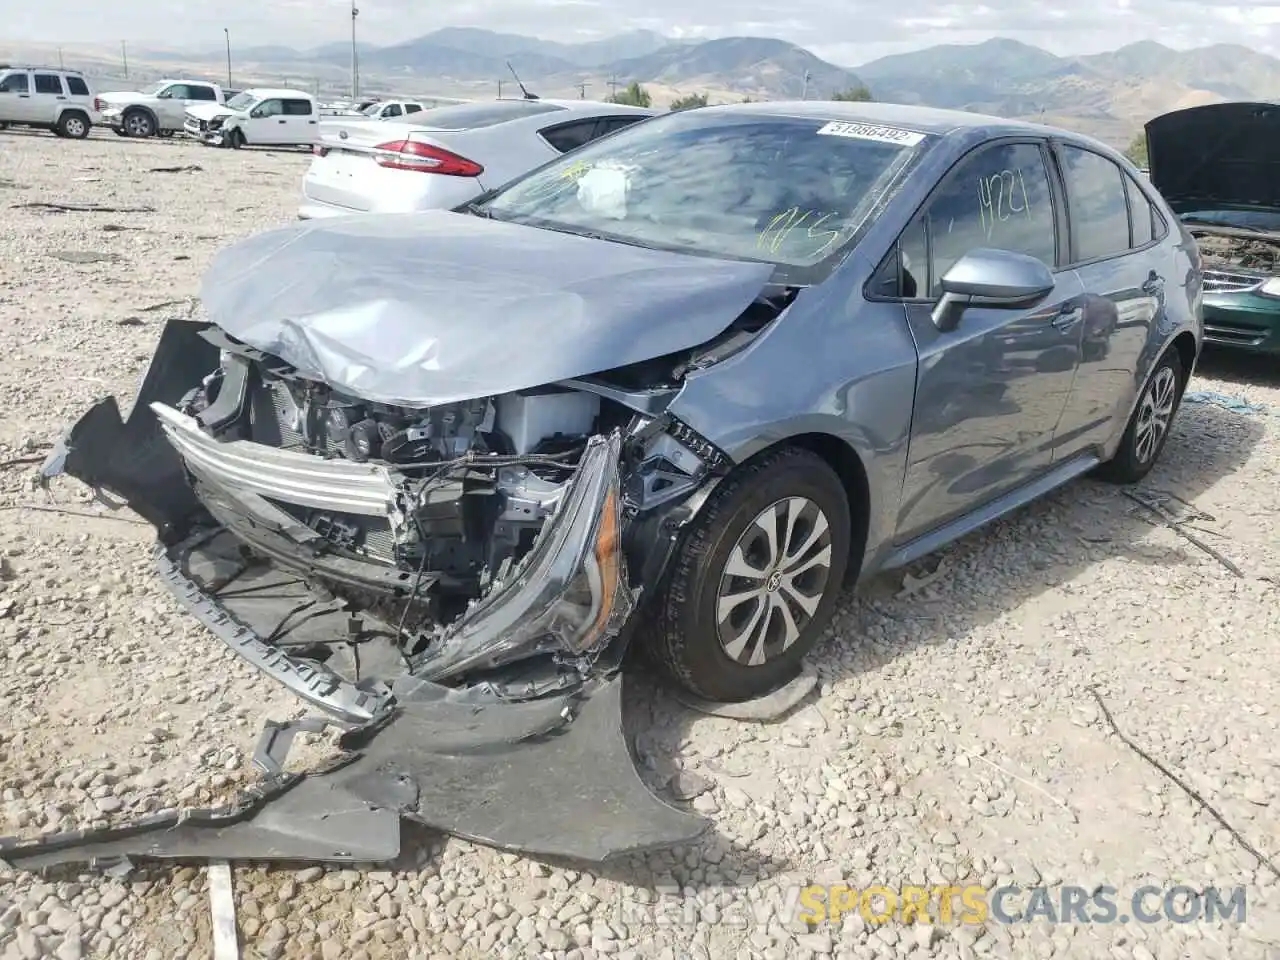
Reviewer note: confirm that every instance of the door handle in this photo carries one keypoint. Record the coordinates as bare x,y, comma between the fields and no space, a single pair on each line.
1067,319
280,121
60,97
25,96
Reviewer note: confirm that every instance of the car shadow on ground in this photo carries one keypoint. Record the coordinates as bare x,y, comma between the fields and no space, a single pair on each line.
101,134
1238,367
1063,534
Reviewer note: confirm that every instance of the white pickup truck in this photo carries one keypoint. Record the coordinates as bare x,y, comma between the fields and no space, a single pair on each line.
261,116
160,109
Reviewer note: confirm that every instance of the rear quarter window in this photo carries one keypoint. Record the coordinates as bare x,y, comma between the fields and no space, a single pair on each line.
474,116
77,87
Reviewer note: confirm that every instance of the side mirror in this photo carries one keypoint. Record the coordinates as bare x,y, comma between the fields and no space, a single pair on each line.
990,278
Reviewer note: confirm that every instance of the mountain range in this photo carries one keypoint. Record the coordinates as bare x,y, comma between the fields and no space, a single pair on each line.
1107,94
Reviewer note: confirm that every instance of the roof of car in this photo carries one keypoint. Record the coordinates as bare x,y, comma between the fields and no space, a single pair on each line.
278,92
923,119
587,106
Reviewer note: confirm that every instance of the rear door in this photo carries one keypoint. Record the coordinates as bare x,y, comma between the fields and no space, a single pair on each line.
15,97
48,97
301,122
989,393
1116,250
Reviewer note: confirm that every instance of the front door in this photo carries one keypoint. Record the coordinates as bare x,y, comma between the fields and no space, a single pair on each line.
267,123
15,98
989,393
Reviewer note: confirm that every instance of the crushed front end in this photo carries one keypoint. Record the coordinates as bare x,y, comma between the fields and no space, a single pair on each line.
453,586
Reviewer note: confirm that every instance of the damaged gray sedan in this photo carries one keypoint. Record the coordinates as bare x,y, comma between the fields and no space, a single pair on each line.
437,472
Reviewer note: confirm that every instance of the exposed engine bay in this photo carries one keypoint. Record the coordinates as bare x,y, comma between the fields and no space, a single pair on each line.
1236,250
408,525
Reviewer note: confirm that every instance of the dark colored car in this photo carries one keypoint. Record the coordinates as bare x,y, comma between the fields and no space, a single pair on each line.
436,471
1218,166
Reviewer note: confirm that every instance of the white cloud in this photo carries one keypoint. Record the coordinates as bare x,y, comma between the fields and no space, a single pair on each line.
849,35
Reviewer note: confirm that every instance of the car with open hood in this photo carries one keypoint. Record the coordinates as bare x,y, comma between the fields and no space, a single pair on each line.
437,472
1216,166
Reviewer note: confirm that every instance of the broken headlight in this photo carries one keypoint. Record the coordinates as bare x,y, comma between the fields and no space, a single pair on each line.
570,594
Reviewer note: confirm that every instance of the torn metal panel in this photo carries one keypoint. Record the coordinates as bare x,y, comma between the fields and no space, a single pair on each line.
551,777
431,308
131,458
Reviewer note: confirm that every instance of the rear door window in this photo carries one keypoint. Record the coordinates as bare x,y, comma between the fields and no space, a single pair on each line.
1141,215
77,87
1098,204
413,108
49,83
297,108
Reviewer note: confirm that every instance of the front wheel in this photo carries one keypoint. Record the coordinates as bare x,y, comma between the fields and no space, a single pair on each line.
234,139
1148,428
755,579
138,123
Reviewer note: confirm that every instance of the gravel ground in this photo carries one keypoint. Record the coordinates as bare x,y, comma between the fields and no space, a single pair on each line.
953,737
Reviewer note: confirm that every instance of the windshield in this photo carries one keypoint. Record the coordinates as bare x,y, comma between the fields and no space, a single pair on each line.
1265,220
155,88
242,101
371,109
792,191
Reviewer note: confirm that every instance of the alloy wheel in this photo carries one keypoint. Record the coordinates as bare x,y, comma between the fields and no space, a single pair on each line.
1154,414
74,127
774,580
137,125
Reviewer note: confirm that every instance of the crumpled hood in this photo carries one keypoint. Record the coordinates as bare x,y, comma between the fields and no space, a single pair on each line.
123,96
207,111
427,308
1221,153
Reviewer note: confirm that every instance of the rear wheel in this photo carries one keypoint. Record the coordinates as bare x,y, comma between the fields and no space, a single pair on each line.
1148,428
73,125
755,579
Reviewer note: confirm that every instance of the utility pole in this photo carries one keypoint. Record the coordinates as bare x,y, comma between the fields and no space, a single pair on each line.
613,86
61,65
499,88
804,90
124,58
582,90
355,63
227,32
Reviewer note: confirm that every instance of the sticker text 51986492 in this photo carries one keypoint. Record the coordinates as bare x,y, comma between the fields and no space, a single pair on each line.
871,131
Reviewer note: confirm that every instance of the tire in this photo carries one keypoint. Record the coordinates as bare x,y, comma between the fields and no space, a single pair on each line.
138,123
4,125
719,658
119,132
73,124
1139,449
234,139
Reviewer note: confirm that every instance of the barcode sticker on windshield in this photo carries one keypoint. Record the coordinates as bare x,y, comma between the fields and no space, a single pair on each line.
871,131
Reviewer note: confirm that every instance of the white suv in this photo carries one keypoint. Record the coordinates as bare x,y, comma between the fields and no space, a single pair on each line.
49,97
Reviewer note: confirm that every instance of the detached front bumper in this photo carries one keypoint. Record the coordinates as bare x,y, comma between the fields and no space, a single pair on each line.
541,768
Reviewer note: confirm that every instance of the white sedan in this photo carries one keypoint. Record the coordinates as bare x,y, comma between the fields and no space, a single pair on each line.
441,158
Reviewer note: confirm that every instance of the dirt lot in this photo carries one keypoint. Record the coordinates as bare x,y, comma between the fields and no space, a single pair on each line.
954,738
